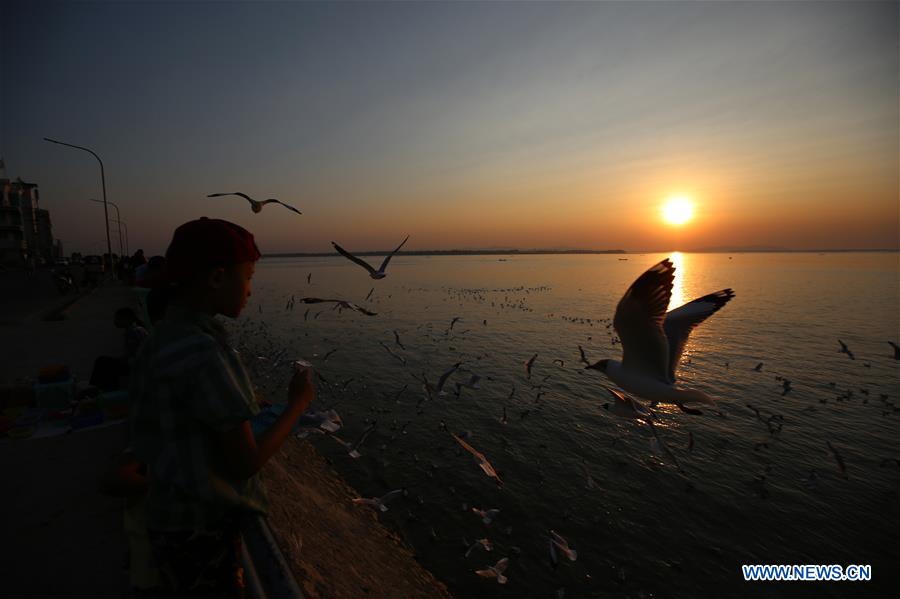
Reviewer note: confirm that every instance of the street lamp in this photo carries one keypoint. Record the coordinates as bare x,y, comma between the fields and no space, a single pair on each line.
118,216
102,182
123,224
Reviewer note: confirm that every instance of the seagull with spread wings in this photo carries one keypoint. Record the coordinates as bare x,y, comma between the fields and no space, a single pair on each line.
352,448
375,274
439,390
255,205
339,304
558,542
653,339
482,461
845,350
496,570
380,502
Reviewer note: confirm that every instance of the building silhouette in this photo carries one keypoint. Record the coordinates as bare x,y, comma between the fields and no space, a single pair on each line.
25,228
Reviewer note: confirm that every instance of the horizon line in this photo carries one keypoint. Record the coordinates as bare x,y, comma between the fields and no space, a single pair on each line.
515,251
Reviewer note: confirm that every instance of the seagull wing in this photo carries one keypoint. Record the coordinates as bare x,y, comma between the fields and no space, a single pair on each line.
392,495
364,436
663,447
353,258
559,540
583,356
639,322
681,321
352,306
500,566
283,204
469,448
391,255
365,501
488,469
232,193
446,375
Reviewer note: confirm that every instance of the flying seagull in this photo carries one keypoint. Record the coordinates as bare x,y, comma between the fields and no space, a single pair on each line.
255,205
397,340
482,461
486,543
443,380
529,364
653,340
353,447
583,357
845,350
896,350
838,459
487,516
472,383
393,353
375,274
496,570
339,303
628,407
557,542
380,502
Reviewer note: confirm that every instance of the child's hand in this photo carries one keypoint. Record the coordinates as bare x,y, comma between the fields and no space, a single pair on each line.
300,389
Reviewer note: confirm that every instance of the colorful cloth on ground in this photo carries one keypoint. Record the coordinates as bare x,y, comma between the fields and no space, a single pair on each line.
187,386
200,564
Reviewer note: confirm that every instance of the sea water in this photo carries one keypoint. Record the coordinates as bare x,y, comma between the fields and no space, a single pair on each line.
747,489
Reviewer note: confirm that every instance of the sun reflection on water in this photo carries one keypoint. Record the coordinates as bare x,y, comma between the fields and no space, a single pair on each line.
677,299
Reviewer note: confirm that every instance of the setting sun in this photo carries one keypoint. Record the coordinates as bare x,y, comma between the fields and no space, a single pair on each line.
678,210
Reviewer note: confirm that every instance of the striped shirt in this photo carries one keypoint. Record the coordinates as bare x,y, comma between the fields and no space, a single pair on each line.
189,385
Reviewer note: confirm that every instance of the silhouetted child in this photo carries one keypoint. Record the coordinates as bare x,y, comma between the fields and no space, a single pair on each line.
192,402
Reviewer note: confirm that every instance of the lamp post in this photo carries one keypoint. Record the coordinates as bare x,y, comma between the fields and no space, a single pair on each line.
102,182
118,216
123,224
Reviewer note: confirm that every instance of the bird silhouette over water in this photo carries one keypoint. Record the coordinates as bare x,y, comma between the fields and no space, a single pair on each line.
255,205
653,340
845,350
375,274
339,303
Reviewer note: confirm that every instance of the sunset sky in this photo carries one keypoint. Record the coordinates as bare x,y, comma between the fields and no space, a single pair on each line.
465,125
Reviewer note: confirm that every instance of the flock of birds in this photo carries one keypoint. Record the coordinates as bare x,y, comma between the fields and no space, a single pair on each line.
652,340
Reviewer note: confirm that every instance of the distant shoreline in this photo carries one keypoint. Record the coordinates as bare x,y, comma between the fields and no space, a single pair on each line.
569,252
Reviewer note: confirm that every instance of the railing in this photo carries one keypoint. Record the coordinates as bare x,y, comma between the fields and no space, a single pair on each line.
267,574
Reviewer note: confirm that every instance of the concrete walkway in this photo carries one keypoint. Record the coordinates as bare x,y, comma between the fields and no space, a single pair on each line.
61,538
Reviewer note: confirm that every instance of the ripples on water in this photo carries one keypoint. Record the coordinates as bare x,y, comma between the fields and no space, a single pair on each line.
746,495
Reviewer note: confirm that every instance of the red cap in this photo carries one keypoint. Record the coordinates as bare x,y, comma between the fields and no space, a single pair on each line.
207,243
